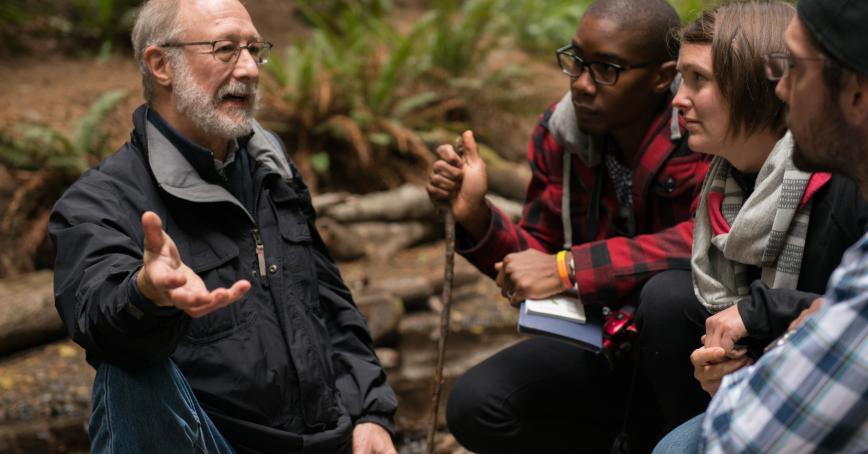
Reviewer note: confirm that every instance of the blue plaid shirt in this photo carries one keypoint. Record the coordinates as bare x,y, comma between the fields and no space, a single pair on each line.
810,394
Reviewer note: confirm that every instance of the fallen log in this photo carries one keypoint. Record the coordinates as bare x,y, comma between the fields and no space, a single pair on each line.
508,179
415,291
378,240
27,313
405,203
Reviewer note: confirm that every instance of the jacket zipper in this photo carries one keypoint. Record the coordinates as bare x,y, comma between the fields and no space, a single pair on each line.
260,255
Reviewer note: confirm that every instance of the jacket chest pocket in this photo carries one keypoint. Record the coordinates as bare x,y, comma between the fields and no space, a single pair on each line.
214,258
297,255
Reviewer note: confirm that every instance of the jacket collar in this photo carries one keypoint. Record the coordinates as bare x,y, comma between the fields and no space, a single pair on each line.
590,148
177,176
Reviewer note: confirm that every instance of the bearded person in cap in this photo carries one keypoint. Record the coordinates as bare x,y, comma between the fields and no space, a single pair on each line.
809,391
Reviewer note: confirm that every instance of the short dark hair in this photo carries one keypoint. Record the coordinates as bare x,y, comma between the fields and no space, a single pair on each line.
740,34
652,22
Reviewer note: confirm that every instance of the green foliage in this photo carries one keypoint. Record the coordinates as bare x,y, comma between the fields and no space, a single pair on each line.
689,10
103,22
322,12
90,27
358,81
542,29
461,36
40,148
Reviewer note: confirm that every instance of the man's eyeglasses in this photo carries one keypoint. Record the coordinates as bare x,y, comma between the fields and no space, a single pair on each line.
601,72
227,50
778,64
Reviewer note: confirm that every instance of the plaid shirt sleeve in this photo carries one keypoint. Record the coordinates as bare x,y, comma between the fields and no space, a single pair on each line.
607,270
810,394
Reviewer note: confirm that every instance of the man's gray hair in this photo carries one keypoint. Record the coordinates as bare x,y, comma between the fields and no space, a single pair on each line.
156,23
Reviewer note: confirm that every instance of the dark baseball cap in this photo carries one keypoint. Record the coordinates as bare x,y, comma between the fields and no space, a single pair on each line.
838,26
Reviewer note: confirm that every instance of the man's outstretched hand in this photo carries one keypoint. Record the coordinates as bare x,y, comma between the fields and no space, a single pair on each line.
166,281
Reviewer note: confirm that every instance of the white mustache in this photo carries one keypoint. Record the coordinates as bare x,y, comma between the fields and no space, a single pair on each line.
236,89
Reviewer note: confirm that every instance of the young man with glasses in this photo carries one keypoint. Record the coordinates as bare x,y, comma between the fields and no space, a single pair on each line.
613,183
189,268
809,391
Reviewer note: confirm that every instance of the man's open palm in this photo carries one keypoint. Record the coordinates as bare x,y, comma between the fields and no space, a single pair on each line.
166,281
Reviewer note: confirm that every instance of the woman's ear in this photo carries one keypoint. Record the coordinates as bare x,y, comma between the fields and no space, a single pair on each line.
664,76
158,64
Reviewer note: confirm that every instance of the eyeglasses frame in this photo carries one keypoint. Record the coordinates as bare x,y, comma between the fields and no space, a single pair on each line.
213,44
791,63
586,65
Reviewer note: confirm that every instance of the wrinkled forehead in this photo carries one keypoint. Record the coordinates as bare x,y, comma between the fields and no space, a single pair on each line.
215,19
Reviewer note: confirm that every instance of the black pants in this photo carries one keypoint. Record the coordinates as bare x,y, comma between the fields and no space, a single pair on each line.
545,396
671,322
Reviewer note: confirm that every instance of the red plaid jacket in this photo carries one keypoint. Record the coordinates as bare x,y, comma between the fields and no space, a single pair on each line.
610,267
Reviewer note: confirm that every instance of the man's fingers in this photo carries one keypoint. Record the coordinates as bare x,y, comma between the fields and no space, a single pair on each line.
716,371
447,170
153,230
205,303
448,154
444,184
707,355
737,353
238,290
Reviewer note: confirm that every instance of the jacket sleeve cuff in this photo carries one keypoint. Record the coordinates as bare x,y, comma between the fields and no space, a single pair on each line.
466,244
139,307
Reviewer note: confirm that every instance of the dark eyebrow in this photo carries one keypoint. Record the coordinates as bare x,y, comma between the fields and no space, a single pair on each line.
605,56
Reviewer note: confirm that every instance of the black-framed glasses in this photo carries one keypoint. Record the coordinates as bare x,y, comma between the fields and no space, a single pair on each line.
602,73
227,50
778,64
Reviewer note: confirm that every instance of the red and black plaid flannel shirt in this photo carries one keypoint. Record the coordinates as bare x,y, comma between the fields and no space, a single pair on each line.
610,268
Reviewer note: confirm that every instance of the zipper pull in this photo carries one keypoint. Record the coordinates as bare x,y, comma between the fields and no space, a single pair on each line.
260,255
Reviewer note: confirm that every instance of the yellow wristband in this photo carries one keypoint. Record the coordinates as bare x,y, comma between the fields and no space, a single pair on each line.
563,270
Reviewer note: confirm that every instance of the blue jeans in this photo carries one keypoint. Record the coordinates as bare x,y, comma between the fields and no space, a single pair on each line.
149,410
683,439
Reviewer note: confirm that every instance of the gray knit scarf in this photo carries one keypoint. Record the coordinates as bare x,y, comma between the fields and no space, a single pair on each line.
766,230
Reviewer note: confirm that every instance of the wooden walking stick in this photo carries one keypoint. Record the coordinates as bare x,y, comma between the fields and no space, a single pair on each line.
448,277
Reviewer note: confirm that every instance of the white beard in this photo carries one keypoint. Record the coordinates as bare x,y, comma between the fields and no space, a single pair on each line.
203,110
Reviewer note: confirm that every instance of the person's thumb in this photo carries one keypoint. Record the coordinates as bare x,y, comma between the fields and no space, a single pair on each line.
153,230
471,149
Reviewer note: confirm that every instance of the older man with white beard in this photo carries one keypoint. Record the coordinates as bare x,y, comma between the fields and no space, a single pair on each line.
189,268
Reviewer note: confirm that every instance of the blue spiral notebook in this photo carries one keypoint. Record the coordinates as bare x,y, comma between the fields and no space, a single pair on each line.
587,335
